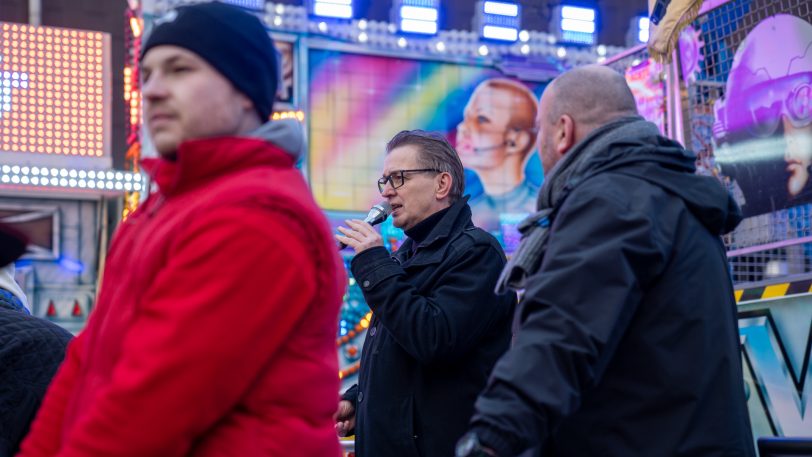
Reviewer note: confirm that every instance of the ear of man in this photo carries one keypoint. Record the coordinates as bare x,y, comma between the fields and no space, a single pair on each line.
443,185
518,142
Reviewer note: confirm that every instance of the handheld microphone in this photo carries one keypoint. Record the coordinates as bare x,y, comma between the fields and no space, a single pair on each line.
376,215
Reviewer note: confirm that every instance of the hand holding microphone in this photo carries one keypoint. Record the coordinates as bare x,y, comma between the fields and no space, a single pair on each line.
360,235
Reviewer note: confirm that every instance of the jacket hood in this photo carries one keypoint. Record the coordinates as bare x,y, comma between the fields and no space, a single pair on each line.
665,163
286,134
276,143
8,283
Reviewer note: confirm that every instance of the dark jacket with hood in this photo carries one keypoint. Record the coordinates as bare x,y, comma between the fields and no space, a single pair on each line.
628,342
437,330
31,350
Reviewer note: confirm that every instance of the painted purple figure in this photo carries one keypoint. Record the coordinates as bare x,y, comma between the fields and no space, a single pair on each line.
770,87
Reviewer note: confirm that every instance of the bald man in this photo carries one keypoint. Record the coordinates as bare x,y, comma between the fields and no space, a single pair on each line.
627,340
494,139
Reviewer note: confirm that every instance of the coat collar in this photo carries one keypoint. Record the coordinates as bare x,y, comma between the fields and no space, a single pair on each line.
456,219
199,161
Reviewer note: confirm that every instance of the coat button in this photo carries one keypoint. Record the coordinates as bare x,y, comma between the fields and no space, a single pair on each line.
372,331
360,397
365,284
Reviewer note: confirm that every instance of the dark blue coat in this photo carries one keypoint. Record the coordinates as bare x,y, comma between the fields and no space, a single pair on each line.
31,350
436,332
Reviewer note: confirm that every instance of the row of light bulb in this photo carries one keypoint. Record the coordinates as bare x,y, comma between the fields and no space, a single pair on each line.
71,178
451,42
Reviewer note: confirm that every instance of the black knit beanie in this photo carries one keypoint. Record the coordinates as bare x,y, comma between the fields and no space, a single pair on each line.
231,40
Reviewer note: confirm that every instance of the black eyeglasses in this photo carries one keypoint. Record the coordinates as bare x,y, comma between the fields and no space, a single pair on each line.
396,178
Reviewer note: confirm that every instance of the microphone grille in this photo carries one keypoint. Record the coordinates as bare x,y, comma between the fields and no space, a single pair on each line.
385,207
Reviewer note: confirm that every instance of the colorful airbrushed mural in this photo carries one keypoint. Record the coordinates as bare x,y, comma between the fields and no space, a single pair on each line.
762,129
358,102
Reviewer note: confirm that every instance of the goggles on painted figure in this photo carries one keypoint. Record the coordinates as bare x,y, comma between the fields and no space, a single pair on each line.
790,97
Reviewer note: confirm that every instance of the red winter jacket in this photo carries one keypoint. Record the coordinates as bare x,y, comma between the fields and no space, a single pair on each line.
214,331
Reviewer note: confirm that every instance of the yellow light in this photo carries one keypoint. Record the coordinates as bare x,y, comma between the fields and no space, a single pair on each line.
135,26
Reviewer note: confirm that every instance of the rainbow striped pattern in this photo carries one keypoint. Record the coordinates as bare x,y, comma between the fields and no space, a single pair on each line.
358,102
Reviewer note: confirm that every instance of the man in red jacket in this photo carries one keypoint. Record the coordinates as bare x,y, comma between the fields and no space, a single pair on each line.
214,331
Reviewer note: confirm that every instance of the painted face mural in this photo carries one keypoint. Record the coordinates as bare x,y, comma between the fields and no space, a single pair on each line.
763,126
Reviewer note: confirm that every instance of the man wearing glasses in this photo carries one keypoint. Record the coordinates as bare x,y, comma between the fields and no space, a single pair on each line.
437,327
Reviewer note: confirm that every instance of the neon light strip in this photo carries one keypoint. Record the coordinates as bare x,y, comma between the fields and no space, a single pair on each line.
71,178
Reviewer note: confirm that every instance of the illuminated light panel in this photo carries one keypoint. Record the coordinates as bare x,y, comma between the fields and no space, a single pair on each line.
500,21
416,16
413,26
575,24
493,32
68,178
52,90
501,8
418,13
257,5
341,9
643,25
578,14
